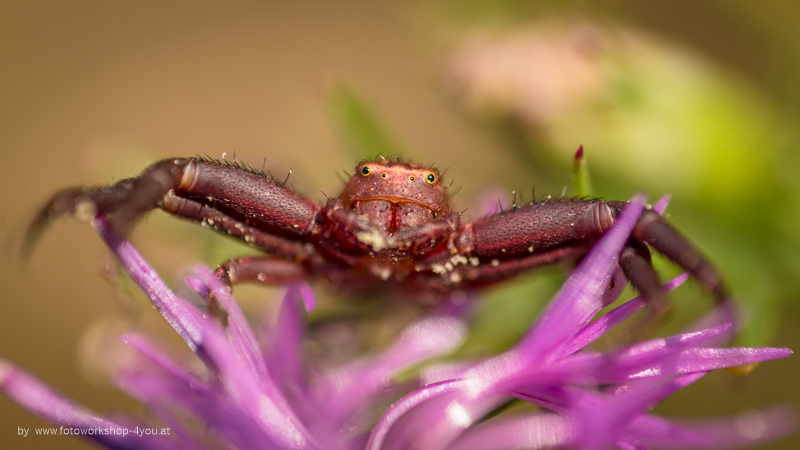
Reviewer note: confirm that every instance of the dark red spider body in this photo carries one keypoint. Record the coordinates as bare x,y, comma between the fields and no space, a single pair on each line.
392,226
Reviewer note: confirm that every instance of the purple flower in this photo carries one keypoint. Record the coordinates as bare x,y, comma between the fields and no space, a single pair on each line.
265,395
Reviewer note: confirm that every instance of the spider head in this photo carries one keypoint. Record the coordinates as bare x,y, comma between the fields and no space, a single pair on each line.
396,182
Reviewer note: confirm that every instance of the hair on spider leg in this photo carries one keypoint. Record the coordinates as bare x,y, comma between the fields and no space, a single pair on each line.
287,178
499,206
241,165
453,194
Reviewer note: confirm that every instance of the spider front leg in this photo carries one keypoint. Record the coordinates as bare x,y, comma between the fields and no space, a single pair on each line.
429,235
229,198
563,230
223,195
124,200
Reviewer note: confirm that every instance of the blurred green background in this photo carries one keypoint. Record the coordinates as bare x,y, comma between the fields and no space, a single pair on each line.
697,99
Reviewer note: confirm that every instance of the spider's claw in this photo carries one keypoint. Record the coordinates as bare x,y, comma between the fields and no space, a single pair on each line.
124,201
61,204
79,202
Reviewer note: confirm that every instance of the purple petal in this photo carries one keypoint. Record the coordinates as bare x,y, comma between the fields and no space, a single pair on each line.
180,315
653,429
169,398
661,348
704,359
284,354
307,294
640,396
38,398
438,422
614,317
534,431
258,397
378,436
744,430
619,283
351,389
579,298
661,204
596,423
557,398
241,336
646,359
601,419
424,339
146,348
628,443
196,285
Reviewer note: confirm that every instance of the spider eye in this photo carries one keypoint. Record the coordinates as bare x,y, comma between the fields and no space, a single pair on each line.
411,178
384,175
431,178
365,171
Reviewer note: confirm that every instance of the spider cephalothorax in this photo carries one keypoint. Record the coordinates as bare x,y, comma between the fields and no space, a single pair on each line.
393,196
391,226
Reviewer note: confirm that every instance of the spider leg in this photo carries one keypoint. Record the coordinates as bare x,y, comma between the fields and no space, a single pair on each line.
656,232
254,269
636,264
251,198
79,202
125,200
194,210
541,227
260,270
493,271
428,235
